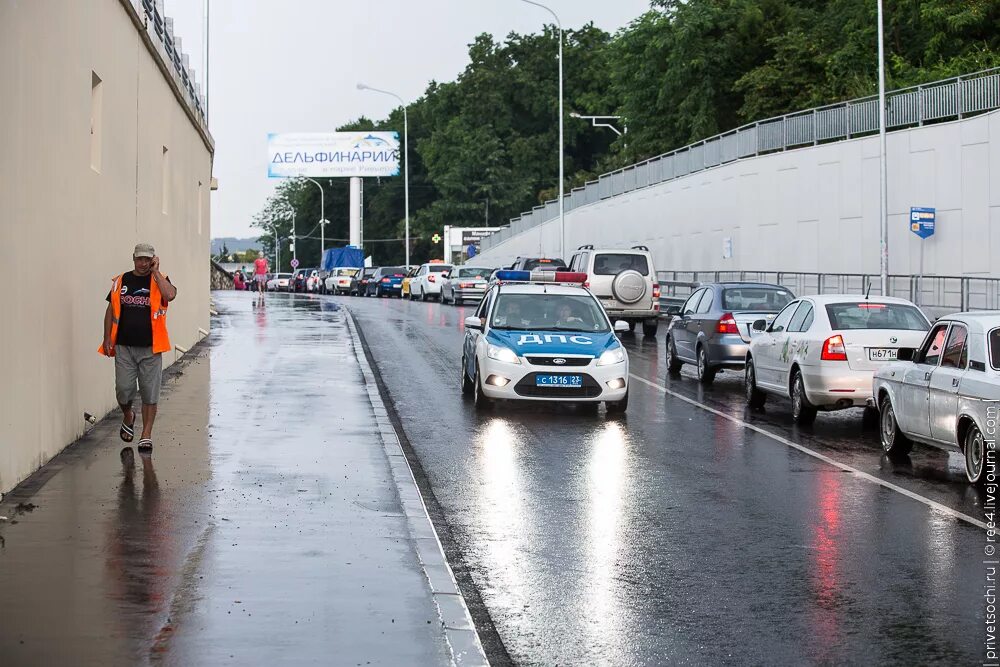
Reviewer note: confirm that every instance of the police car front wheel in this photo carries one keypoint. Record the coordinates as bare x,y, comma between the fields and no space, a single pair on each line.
482,401
618,407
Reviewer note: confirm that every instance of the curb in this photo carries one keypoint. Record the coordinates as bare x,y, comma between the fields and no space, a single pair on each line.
460,632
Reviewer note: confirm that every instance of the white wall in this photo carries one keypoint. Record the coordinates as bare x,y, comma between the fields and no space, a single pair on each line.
811,209
66,228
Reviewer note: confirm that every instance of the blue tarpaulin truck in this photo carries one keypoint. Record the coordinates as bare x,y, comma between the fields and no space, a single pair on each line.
342,257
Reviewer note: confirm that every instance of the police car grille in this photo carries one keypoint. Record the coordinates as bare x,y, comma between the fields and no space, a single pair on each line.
567,361
526,387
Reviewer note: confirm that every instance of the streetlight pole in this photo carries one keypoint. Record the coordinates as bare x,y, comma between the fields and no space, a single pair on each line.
406,162
884,186
562,209
277,249
322,221
602,121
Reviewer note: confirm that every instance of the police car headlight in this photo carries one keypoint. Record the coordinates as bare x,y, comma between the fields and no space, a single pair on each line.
613,356
501,353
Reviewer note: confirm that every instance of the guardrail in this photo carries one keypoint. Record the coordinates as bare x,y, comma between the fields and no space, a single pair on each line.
161,28
906,107
936,295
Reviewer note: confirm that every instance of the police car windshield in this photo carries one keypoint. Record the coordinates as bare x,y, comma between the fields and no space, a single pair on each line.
549,312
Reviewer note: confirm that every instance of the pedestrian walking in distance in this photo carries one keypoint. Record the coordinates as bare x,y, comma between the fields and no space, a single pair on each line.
135,334
260,269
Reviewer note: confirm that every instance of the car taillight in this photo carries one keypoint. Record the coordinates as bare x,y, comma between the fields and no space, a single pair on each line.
656,290
431,279
727,325
385,280
586,283
466,285
833,349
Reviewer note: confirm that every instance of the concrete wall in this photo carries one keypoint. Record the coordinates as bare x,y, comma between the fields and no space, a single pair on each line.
69,221
810,209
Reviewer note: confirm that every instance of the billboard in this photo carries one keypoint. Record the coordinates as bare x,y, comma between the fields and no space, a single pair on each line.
332,154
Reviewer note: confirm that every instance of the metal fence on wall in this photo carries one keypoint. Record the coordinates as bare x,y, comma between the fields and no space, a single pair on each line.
937,295
907,107
161,29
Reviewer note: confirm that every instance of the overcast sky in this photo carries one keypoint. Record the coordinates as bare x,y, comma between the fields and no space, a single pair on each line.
292,66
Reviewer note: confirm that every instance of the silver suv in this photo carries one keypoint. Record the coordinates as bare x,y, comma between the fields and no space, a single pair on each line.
624,281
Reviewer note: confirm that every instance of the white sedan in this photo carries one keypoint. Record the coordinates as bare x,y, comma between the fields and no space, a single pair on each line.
426,283
822,351
339,280
278,282
945,392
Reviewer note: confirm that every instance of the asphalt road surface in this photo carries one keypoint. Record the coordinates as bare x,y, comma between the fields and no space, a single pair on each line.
690,531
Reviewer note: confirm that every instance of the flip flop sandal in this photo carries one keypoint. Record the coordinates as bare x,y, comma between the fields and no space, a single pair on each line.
145,445
126,432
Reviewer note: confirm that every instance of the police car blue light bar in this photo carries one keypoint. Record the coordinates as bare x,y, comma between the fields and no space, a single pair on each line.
573,277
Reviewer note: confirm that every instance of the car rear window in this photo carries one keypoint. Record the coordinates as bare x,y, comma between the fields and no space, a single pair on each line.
347,272
875,315
439,268
543,263
756,298
393,271
994,339
474,273
611,264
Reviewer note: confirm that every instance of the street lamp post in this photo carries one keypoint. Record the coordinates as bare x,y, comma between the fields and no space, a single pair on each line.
406,162
562,209
277,249
602,121
322,221
884,186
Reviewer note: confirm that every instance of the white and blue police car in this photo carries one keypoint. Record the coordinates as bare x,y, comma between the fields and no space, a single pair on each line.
542,336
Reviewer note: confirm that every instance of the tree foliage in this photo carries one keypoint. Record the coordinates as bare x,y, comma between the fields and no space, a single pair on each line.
483,148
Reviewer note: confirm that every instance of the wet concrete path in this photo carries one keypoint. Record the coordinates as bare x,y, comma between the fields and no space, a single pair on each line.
265,528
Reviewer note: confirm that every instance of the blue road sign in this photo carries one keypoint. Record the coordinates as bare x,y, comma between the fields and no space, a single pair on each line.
922,221
471,250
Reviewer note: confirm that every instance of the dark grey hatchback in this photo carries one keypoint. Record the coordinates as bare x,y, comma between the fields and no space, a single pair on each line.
713,327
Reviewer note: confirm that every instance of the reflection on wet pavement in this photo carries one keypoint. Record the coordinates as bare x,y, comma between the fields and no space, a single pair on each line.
675,535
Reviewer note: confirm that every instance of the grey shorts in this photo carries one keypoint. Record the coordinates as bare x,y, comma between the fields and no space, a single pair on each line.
137,366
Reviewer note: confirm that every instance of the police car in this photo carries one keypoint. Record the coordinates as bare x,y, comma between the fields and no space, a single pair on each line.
542,336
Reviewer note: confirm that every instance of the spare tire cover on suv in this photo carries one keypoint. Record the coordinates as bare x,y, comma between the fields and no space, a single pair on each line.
629,286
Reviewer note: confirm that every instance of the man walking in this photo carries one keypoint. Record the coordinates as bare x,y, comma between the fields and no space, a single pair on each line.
135,334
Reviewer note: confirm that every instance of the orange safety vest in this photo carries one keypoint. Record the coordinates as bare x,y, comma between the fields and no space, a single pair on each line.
157,314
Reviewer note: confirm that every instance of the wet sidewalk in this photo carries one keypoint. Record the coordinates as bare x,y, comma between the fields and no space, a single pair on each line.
276,521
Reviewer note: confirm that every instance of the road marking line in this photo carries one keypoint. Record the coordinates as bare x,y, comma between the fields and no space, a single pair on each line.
822,457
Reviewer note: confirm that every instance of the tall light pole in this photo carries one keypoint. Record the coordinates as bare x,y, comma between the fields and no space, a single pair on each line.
562,209
406,162
602,121
322,221
884,186
277,249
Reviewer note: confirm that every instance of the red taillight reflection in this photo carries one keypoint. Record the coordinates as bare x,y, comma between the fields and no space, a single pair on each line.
727,325
834,349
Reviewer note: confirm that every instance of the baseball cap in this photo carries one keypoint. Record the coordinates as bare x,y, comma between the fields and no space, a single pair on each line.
143,250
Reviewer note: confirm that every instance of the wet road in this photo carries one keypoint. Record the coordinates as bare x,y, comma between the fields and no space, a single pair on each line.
679,534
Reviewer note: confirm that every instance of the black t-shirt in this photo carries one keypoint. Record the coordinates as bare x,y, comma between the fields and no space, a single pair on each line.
134,326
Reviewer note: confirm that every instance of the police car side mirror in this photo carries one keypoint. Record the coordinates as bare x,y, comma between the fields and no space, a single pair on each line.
674,309
760,325
473,322
905,354
621,326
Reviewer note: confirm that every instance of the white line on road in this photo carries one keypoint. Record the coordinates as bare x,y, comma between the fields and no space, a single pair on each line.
944,509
